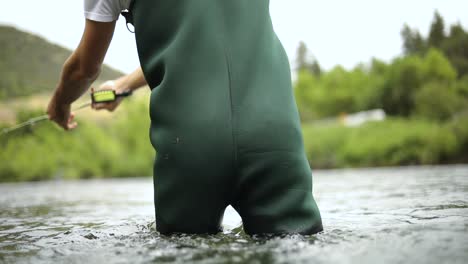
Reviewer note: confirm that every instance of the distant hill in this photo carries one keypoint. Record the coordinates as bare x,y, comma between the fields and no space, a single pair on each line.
29,64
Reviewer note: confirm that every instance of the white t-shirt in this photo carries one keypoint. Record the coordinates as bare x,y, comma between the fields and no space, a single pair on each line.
104,10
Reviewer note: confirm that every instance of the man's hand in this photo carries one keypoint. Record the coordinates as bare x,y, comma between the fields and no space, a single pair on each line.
130,82
110,106
79,71
61,114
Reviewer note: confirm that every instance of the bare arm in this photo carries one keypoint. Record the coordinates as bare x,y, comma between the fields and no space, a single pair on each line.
80,70
131,81
125,83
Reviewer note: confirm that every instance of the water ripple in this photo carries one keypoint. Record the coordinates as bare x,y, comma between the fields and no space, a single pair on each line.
406,215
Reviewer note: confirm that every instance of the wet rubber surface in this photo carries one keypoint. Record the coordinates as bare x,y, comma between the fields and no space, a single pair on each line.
394,215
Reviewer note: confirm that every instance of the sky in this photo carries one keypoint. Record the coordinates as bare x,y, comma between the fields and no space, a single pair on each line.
335,31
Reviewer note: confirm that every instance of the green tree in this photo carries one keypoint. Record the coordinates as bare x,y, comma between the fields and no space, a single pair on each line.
378,67
438,68
404,77
301,56
307,91
413,42
437,31
455,47
337,91
437,101
306,62
462,87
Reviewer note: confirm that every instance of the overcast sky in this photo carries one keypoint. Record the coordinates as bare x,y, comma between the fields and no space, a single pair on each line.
336,31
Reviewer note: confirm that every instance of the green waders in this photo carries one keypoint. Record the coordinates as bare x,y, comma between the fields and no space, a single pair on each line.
223,118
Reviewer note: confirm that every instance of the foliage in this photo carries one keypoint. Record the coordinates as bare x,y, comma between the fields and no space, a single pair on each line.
459,128
437,101
335,92
454,45
406,76
390,143
402,80
305,61
436,33
322,143
413,42
29,64
413,85
113,149
424,92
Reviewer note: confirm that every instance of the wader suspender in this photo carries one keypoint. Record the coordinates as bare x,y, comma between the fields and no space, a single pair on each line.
127,13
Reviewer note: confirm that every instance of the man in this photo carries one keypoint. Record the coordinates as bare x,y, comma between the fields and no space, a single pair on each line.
223,116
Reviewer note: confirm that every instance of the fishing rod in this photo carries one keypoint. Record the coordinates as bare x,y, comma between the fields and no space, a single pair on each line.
101,96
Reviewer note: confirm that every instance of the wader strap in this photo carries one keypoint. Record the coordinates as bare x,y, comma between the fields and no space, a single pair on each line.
127,13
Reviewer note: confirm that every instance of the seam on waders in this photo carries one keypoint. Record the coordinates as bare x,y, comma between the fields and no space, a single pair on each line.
233,121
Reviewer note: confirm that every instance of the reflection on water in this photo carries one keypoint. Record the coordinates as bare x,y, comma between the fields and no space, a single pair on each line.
411,215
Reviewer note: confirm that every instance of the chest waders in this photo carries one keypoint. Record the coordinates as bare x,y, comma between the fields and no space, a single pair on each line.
223,118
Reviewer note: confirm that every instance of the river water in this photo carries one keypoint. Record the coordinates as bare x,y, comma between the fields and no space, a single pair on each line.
394,215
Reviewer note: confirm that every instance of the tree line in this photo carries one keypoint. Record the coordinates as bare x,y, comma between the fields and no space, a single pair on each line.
429,81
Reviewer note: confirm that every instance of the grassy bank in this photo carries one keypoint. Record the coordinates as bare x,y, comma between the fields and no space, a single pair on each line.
119,147
394,142
108,148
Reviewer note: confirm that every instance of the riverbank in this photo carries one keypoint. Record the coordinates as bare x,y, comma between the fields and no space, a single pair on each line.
394,142
118,146
115,146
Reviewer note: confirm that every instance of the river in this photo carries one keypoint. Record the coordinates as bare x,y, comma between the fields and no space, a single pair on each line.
389,215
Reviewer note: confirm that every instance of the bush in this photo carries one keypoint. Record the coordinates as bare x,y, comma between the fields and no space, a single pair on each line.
389,143
459,128
437,101
323,143
110,149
